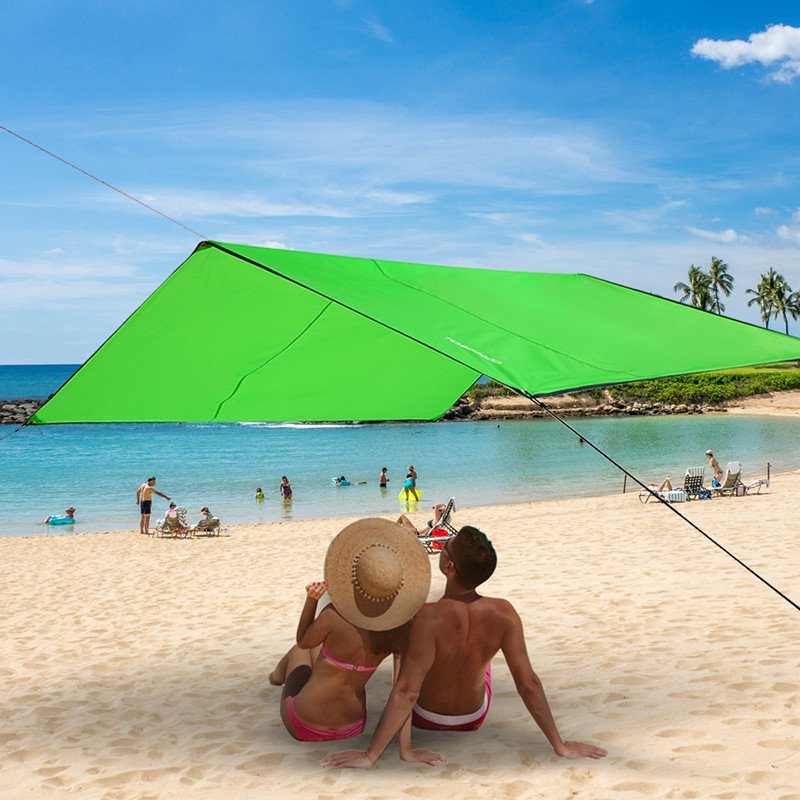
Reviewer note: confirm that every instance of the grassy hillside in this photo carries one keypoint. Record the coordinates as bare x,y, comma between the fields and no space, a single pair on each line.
706,387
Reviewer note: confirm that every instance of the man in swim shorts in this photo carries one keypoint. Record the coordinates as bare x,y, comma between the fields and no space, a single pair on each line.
445,677
144,499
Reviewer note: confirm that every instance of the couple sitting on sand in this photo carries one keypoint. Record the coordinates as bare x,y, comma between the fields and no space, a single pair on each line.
378,578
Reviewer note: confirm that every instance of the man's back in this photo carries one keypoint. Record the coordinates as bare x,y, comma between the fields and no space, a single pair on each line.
467,636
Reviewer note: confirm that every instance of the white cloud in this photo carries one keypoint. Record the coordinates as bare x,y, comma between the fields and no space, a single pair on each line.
788,234
791,233
204,204
778,46
40,283
762,211
274,245
725,236
374,27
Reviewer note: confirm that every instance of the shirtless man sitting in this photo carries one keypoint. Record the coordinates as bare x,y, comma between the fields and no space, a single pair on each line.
445,679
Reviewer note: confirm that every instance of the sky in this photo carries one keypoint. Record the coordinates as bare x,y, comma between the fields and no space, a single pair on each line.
622,139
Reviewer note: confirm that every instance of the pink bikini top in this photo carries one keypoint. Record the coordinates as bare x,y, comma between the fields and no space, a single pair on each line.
343,664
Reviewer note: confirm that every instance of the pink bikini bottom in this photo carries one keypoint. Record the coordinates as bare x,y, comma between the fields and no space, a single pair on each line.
308,733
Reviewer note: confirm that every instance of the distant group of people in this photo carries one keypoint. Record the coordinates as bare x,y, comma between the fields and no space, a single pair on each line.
378,579
409,484
284,490
409,490
144,499
716,481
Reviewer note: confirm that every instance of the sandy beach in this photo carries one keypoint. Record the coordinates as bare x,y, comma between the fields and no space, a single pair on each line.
779,404
136,668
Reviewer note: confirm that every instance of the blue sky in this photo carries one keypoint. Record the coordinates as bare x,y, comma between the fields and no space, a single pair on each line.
623,139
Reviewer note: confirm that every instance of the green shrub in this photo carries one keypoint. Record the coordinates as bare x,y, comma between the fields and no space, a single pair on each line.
710,387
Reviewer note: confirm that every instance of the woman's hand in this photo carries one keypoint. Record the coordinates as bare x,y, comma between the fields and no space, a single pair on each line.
423,756
580,750
347,759
317,589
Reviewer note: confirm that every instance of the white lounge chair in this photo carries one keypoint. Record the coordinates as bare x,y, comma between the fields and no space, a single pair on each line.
174,526
692,487
731,479
755,486
207,527
432,542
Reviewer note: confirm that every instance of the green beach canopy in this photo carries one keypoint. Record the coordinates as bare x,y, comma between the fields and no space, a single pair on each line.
242,333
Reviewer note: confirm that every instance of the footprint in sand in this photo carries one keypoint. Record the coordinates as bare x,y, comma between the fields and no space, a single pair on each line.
697,748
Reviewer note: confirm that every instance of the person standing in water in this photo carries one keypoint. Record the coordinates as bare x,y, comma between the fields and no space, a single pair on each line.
410,484
383,478
259,494
285,488
144,499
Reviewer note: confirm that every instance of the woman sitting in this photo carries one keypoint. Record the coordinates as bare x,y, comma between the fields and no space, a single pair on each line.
378,577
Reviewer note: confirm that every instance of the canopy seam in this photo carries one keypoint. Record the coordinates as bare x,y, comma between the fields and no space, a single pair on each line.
271,358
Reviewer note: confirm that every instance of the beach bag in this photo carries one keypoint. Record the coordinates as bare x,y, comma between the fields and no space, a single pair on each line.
740,490
439,533
675,496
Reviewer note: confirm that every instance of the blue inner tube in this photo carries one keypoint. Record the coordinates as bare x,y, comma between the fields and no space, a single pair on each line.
59,520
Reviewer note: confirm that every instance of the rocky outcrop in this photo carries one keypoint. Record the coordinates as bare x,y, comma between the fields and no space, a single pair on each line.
576,404
15,412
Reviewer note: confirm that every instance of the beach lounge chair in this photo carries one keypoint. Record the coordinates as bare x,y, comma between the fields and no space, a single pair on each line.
693,482
732,478
444,530
755,486
174,526
692,488
207,527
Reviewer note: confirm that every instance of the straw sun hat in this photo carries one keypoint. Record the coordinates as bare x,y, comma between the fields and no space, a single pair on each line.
378,574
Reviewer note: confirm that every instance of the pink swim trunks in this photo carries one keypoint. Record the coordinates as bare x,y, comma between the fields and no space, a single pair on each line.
420,718
308,733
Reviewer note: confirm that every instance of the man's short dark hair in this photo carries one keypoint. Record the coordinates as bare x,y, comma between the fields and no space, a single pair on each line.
473,556
152,478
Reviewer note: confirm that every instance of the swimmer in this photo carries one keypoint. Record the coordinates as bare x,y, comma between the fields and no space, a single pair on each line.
259,494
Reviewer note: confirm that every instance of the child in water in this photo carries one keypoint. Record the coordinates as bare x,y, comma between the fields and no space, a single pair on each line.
259,494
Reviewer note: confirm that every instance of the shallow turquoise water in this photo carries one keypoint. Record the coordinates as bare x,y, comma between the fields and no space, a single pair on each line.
97,468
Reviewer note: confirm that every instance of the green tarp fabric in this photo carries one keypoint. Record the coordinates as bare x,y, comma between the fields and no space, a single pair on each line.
241,333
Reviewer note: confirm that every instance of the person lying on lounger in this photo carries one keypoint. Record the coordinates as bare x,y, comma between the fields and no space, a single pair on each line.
445,680
438,510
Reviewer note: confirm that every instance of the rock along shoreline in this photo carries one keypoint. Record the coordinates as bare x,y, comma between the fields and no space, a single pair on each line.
499,407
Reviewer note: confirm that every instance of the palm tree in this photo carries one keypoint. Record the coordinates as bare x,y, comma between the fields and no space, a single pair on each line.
793,306
719,280
785,302
764,294
697,290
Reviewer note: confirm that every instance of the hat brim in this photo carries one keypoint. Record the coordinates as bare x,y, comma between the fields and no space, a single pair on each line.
416,571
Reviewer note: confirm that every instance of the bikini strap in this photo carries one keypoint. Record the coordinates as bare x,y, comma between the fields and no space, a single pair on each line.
343,664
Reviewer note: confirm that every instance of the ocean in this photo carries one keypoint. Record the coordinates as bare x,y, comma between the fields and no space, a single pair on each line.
32,381
97,468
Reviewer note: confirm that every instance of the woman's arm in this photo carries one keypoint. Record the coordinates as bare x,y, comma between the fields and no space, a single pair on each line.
310,633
